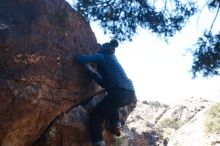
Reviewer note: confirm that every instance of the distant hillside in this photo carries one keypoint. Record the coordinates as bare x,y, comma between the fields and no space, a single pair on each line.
183,123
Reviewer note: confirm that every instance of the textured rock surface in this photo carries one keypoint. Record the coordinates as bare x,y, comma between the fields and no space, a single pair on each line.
193,132
186,109
143,124
38,79
140,128
69,129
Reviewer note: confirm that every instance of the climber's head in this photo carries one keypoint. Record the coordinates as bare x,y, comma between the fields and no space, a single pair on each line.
109,47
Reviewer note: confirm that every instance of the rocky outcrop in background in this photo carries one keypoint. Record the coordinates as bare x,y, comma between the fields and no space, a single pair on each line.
193,131
140,128
179,124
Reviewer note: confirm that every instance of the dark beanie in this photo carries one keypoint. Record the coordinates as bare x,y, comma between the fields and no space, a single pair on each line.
110,45
114,43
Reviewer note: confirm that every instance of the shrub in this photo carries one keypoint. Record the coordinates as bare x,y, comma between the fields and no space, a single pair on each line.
212,124
155,104
119,141
170,123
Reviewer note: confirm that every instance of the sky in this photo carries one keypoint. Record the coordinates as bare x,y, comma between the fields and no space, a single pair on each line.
160,71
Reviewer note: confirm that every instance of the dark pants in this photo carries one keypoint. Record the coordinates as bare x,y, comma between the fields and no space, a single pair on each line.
108,108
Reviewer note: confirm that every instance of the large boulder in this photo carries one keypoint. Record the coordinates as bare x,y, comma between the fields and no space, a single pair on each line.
38,78
71,128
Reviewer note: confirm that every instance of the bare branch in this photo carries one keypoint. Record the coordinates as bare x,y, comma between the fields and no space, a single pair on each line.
216,15
165,6
201,11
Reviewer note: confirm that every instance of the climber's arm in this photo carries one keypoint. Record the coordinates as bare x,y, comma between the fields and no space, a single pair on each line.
98,79
95,58
94,75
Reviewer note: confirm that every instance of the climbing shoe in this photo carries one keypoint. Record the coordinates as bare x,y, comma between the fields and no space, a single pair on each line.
117,131
114,128
99,143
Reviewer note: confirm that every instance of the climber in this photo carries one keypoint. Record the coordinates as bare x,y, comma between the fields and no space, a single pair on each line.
119,88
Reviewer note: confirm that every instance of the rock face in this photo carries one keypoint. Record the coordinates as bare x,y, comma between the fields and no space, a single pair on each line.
140,128
193,131
69,129
186,109
190,133
38,77
179,124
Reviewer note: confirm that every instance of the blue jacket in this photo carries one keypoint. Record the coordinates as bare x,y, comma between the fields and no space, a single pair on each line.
112,73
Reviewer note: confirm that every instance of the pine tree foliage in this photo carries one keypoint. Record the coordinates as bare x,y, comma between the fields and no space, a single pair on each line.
122,17
207,55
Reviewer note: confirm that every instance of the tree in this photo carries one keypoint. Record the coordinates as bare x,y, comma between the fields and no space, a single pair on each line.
207,54
122,18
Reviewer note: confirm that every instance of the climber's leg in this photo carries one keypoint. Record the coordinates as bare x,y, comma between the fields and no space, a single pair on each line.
114,118
97,116
113,122
116,98
120,97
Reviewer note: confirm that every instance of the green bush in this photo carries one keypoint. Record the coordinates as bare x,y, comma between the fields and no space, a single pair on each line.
119,141
212,124
155,104
170,123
